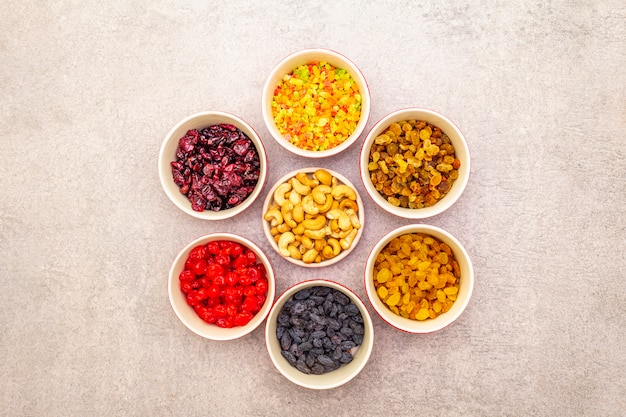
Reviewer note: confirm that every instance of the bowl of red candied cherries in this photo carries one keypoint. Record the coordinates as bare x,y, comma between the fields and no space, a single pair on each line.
212,165
221,286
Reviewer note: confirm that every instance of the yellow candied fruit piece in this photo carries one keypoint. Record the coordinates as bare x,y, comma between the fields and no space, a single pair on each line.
393,299
437,306
431,313
395,310
406,298
422,314
423,266
433,279
383,275
441,296
382,292
424,303
450,290
424,285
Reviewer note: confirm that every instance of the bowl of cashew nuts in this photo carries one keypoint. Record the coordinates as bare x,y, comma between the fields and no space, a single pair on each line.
313,217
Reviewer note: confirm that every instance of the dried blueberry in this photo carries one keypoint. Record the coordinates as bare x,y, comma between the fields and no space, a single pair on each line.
289,356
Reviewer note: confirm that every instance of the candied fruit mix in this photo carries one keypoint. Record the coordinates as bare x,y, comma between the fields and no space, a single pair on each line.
317,106
413,164
217,167
417,276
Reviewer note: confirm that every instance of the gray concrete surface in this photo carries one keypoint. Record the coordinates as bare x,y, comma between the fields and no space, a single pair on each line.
90,88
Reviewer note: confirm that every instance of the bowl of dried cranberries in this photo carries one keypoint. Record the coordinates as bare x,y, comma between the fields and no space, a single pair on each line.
221,286
212,165
414,163
319,334
419,278
316,103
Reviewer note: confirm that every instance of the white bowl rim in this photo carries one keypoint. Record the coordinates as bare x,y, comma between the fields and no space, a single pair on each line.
447,201
344,253
173,193
430,325
281,364
356,74
212,331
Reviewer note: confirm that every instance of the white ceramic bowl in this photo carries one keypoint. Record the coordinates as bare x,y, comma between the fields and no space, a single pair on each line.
269,199
167,155
286,66
328,380
461,151
466,281
186,313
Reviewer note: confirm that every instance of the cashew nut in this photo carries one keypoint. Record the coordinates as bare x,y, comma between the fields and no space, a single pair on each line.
294,252
334,244
315,223
346,203
342,190
298,230
327,252
294,197
319,193
274,217
315,234
319,244
309,256
309,205
285,239
307,243
282,228
286,211
328,204
343,221
297,213
323,176
346,242
304,178
279,193
354,219
299,187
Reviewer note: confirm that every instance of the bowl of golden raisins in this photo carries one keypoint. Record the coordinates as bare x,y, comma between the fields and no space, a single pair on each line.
419,278
415,163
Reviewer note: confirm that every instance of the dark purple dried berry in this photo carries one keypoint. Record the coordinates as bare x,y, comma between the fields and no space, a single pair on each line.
317,369
325,360
346,357
289,356
301,366
285,341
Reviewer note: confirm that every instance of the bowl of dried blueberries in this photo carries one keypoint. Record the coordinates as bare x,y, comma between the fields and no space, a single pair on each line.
415,163
419,278
221,286
316,103
313,217
319,334
212,165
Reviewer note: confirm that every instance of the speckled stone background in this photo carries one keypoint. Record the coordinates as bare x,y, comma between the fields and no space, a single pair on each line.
90,88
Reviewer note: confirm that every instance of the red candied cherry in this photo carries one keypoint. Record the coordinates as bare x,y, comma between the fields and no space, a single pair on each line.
220,310
213,247
202,293
187,275
251,257
214,291
192,298
233,295
205,281
242,319
250,304
207,315
213,301
198,252
249,291
222,259
240,261
186,287
261,286
224,322
199,266
244,279
214,269
232,279
231,309
233,250
219,280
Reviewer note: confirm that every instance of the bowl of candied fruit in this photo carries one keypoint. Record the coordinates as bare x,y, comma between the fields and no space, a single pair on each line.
212,165
419,278
319,334
313,217
316,103
221,286
414,163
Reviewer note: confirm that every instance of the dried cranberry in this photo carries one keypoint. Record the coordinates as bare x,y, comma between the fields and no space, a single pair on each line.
217,167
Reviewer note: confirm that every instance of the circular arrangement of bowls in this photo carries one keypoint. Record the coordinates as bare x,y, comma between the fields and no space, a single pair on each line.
457,140
269,200
328,380
466,281
286,66
186,313
167,155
